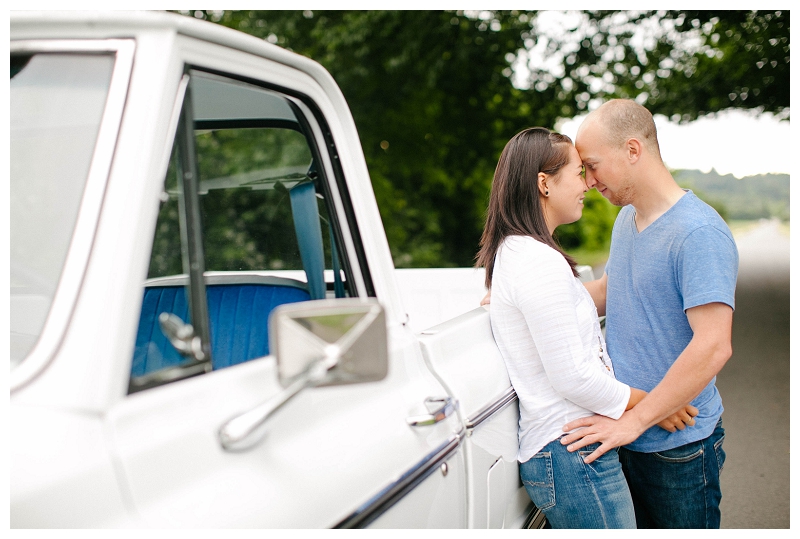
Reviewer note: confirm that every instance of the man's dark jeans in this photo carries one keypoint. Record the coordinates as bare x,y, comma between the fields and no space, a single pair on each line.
677,488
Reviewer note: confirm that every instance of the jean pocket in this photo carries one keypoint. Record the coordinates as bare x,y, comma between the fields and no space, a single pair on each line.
684,453
587,450
537,477
720,453
605,464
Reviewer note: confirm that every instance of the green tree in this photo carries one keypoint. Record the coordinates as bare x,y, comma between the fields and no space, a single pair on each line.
682,64
433,101
593,231
434,98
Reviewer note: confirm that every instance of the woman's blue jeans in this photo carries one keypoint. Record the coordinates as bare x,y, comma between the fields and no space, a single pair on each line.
677,488
573,494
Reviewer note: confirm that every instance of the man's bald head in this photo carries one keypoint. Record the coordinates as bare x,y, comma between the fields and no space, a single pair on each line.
621,119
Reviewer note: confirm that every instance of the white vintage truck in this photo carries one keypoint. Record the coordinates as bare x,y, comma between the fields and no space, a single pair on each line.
206,327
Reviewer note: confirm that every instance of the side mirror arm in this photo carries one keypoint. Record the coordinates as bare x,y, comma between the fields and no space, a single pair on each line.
246,430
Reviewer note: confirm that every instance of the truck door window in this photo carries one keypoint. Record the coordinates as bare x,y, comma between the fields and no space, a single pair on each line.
57,103
265,222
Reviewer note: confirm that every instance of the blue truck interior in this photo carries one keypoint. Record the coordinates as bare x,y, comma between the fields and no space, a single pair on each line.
305,213
238,312
238,315
239,306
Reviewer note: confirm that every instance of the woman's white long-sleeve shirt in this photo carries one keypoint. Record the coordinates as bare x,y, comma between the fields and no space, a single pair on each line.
545,324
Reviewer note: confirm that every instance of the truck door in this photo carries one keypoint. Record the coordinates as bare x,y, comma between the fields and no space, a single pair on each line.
463,354
254,213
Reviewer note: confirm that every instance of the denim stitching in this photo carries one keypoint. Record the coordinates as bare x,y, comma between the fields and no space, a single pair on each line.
705,486
717,448
549,486
548,467
587,477
687,458
552,481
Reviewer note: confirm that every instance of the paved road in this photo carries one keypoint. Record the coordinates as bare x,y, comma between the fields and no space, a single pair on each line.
755,386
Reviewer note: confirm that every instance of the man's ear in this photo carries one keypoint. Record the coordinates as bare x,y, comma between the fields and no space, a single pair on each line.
633,147
542,182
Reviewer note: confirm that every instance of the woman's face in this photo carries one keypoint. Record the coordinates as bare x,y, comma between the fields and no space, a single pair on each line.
566,191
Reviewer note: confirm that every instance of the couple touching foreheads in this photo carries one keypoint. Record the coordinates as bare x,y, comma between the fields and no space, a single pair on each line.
622,430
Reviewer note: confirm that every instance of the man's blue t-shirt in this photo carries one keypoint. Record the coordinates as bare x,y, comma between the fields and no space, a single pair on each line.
685,258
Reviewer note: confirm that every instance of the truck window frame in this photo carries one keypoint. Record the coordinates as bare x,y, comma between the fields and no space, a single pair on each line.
80,246
192,230
338,173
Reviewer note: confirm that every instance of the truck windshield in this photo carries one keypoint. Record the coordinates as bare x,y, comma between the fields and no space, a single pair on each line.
57,102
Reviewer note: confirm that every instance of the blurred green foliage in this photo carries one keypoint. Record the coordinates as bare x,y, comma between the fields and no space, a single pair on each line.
753,197
432,96
593,231
245,228
248,229
737,59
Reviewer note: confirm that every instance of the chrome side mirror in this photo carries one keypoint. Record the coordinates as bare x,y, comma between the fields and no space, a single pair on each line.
348,336
322,342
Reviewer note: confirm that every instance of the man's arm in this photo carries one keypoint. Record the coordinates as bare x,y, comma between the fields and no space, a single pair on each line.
597,289
701,360
677,421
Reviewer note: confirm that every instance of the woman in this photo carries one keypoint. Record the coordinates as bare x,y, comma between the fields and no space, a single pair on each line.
545,324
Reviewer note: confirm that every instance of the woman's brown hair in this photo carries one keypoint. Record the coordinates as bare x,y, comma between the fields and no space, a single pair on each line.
515,208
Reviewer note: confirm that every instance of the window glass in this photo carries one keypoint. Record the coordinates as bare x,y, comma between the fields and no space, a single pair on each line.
57,102
166,258
245,179
265,225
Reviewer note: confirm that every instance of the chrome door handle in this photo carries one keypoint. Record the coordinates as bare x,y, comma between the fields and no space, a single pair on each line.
444,407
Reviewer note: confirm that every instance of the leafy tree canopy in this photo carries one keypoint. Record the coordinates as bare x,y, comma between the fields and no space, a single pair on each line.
437,94
682,64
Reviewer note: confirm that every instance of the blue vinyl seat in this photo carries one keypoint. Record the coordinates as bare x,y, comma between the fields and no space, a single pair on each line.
238,316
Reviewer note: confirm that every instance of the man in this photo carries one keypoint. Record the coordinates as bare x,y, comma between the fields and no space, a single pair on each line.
668,293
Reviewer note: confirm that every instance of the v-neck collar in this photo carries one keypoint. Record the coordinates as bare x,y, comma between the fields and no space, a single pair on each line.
637,233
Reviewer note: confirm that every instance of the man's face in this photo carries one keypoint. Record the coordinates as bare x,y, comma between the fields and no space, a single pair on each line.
606,168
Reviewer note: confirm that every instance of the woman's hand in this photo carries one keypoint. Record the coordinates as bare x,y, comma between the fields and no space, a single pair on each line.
679,420
487,298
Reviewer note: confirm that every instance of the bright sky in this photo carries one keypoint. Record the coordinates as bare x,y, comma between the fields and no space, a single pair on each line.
735,142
